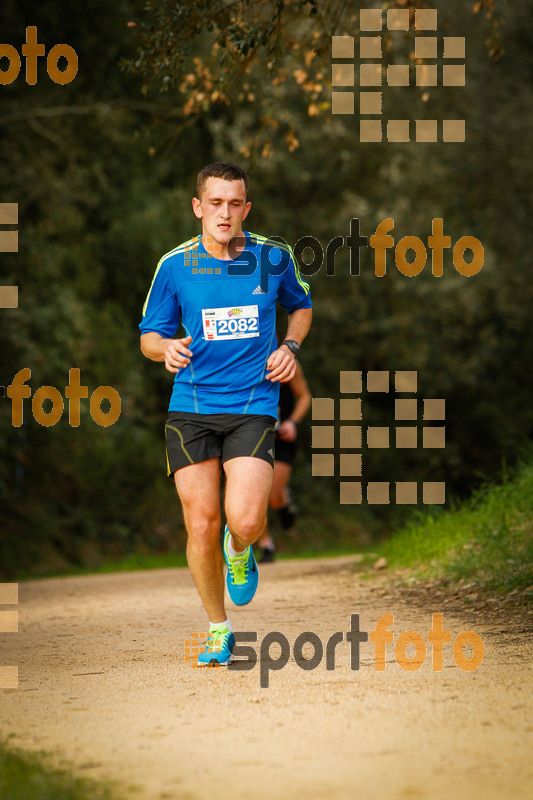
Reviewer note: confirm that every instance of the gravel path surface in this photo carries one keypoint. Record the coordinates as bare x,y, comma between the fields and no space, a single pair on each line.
103,683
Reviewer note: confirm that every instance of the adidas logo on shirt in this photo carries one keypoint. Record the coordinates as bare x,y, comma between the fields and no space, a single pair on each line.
258,290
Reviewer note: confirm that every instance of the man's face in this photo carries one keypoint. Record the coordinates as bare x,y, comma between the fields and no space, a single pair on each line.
222,209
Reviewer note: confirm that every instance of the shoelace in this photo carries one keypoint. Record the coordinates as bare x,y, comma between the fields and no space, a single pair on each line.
213,642
238,571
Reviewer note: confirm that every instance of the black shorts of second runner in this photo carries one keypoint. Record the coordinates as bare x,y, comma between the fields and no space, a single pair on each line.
285,451
192,438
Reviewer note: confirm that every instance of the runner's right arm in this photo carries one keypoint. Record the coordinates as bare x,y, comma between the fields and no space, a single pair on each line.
161,318
174,352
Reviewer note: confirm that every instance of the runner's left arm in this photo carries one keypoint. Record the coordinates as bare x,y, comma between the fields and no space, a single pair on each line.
282,362
295,297
161,318
288,430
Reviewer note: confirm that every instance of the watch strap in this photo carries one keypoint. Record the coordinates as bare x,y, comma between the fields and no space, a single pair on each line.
292,344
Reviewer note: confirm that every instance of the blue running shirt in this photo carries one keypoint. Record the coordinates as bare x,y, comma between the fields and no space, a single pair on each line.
231,319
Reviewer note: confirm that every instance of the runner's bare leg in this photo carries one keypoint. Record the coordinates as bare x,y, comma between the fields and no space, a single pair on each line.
198,487
248,485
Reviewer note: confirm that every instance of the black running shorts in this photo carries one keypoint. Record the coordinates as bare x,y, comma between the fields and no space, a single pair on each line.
192,438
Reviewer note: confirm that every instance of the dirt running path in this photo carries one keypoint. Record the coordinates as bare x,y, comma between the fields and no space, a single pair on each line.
104,684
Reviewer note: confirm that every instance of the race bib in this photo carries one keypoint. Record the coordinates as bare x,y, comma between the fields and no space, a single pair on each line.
240,322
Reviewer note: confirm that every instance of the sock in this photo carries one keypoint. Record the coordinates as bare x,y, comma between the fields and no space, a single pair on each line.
215,626
231,550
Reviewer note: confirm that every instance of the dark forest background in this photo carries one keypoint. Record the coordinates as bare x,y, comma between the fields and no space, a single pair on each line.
103,170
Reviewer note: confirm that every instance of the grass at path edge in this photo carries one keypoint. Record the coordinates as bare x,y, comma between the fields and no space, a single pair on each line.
484,543
28,776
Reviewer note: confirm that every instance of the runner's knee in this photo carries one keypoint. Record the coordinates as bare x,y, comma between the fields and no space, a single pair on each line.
247,528
203,533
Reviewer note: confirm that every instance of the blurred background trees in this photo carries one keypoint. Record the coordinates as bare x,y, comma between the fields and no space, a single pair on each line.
103,170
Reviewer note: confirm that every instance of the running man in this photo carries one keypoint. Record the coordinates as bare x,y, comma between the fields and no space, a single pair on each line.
294,403
228,368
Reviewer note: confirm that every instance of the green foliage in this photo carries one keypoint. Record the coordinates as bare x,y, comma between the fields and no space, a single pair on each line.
209,50
90,235
239,32
24,776
486,541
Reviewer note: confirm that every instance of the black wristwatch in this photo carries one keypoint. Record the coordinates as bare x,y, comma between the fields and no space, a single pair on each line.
293,346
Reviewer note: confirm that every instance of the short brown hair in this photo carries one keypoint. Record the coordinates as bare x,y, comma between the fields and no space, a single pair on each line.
220,169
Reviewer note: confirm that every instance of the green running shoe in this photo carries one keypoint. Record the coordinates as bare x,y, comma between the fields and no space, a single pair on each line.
242,576
218,648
